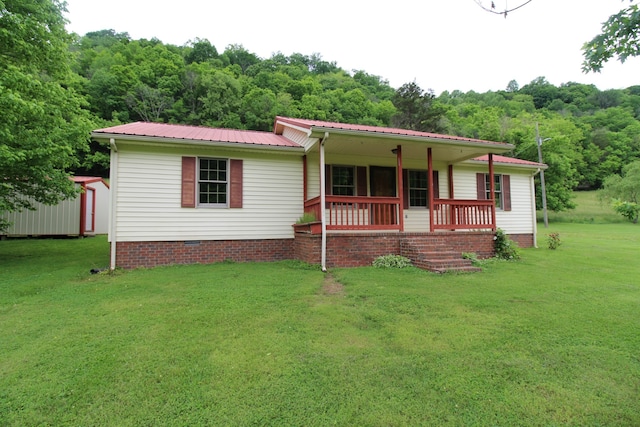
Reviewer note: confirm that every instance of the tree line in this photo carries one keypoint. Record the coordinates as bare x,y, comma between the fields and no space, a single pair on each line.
593,133
56,87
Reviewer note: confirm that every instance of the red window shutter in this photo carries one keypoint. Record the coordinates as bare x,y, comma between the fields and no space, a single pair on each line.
480,183
188,182
361,178
235,190
506,192
436,185
405,189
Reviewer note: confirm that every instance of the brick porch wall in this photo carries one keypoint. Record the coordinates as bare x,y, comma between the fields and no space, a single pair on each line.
360,249
151,254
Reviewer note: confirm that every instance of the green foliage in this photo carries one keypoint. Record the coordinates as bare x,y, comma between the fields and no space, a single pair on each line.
306,218
43,126
593,133
553,240
505,248
620,37
629,210
417,110
624,191
473,257
391,261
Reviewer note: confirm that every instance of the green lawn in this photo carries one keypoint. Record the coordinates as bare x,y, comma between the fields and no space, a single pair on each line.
552,339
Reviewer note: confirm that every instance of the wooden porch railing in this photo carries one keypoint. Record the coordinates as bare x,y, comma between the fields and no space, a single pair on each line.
358,213
382,213
452,214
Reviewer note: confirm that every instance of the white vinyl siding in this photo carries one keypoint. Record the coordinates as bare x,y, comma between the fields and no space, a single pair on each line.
149,196
519,220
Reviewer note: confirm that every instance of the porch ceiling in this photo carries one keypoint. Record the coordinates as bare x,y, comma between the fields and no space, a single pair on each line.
443,151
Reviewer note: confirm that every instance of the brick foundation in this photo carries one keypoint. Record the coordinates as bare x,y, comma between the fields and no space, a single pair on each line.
523,240
151,254
343,250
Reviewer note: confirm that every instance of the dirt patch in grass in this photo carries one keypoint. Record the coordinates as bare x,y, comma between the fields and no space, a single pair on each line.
331,286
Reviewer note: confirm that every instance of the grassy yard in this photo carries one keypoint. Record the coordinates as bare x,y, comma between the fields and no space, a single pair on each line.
552,339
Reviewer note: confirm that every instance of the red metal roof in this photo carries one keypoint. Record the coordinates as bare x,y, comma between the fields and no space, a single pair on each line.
196,133
510,160
309,124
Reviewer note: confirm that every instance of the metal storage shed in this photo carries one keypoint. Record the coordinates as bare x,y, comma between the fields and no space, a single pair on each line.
86,215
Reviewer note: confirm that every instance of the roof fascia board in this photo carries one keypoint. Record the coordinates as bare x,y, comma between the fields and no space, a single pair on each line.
292,126
502,147
503,165
174,142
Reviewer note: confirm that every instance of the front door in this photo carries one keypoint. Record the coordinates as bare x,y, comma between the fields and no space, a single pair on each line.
382,183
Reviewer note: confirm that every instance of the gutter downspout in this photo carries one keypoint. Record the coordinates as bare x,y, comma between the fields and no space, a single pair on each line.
533,209
113,181
323,198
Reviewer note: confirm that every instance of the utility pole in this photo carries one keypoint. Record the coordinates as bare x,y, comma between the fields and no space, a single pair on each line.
539,142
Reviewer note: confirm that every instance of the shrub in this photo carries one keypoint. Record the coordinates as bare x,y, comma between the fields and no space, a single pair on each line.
473,257
553,240
629,210
391,261
306,218
505,247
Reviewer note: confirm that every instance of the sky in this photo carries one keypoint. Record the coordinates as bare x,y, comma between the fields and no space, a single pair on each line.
442,45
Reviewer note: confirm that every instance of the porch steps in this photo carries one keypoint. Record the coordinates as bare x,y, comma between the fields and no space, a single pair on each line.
434,255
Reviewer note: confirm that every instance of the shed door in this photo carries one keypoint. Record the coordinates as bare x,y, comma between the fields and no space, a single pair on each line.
89,220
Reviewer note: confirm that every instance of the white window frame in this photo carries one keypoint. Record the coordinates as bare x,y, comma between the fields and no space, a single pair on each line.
353,186
498,186
225,182
426,189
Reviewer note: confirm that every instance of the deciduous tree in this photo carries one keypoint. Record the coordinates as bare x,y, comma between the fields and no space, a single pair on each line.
42,122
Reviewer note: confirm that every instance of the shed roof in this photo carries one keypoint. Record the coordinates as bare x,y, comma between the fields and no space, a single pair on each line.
194,133
88,180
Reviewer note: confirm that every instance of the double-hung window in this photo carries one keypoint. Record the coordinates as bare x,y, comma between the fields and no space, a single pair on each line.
343,181
497,179
502,188
418,188
213,180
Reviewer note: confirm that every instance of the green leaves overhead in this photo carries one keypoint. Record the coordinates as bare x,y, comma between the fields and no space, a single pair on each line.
620,37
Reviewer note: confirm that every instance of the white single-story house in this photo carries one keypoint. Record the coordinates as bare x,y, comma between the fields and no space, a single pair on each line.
186,194
85,215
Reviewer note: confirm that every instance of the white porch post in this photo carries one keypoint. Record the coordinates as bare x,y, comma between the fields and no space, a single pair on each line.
431,187
400,189
492,191
113,193
323,198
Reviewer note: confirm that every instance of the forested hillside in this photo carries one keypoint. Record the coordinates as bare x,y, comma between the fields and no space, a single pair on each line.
593,133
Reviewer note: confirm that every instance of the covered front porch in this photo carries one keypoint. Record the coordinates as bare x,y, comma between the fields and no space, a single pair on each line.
375,191
381,197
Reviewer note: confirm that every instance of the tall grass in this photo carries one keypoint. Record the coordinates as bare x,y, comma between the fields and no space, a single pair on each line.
589,210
